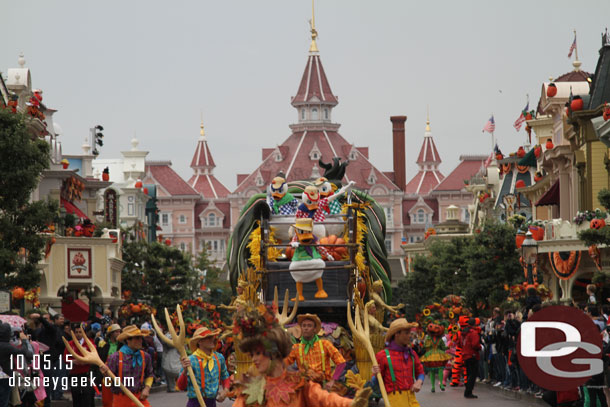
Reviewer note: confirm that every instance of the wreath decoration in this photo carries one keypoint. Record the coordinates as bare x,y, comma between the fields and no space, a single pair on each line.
565,264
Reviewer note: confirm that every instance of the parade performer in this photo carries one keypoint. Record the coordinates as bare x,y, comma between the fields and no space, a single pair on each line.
269,383
107,348
307,256
459,369
131,361
280,201
209,367
326,189
471,347
82,396
402,372
435,357
314,355
451,352
316,207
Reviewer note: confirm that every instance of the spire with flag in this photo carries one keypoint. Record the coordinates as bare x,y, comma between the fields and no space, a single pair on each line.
490,126
521,119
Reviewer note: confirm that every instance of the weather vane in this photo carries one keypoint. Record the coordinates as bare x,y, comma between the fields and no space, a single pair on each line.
314,33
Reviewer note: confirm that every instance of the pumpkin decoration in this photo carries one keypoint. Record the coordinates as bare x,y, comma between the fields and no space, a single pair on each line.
168,242
145,190
576,104
528,116
65,164
549,144
135,308
18,293
551,90
597,223
537,177
106,174
521,152
520,184
289,252
537,151
138,184
337,252
606,114
499,156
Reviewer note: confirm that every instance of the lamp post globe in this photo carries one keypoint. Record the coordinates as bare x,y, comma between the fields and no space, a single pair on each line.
529,255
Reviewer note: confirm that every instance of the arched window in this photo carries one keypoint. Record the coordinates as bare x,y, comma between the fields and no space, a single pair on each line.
421,217
211,220
314,114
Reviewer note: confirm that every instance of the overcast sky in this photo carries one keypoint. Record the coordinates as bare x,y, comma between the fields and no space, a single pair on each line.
152,68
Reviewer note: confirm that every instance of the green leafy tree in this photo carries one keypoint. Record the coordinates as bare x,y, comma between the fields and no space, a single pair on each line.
475,267
23,158
218,290
159,275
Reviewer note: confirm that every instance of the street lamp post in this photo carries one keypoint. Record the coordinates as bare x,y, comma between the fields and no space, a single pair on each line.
529,254
89,292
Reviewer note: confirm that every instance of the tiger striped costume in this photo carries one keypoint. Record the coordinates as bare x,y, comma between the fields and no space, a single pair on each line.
458,369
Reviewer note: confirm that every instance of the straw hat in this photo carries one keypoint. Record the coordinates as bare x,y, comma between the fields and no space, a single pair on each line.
200,334
398,325
311,317
277,182
304,224
320,181
131,331
112,328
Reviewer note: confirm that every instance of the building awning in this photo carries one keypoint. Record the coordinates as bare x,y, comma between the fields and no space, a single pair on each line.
76,311
71,208
550,197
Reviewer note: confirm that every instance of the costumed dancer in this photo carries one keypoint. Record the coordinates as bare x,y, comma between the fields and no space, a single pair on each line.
209,367
107,349
402,372
450,344
131,361
316,207
269,383
459,369
314,355
280,201
435,357
325,189
307,257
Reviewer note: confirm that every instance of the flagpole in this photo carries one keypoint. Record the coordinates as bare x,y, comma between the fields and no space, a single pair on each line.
575,47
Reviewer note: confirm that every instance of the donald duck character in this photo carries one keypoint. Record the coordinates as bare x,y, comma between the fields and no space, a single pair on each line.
280,201
307,257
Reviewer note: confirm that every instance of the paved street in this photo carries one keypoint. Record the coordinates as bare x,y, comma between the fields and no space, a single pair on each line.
451,397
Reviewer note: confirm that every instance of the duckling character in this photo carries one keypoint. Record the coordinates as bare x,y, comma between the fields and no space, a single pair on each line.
316,207
326,189
308,258
280,201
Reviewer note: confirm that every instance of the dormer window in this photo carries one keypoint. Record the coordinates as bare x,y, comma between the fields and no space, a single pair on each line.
302,114
259,180
315,153
325,113
211,220
278,157
314,114
352,155
372,178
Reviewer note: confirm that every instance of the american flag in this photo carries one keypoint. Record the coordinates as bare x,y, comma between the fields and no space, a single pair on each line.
521,119
572,47
490,126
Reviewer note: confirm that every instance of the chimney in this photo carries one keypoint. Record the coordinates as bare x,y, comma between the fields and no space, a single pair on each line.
398,149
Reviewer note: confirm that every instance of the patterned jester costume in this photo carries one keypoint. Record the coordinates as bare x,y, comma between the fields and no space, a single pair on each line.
435,357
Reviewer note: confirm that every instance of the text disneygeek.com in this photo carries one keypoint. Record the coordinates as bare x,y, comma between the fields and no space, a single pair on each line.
65,383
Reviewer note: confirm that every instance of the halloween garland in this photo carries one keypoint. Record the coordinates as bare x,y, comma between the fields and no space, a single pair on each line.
565,264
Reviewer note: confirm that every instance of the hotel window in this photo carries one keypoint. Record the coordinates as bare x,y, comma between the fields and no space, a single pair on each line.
302,114
314,114
211,220
164,219
325,114
389,218
182,246
388,245
421,216
182,219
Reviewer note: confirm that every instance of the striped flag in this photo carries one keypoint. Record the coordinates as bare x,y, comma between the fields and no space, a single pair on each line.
490,126
572,47
521,119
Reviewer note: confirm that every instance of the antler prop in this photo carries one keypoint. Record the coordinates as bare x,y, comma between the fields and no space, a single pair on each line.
363,334
178,341
91,357
283,317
